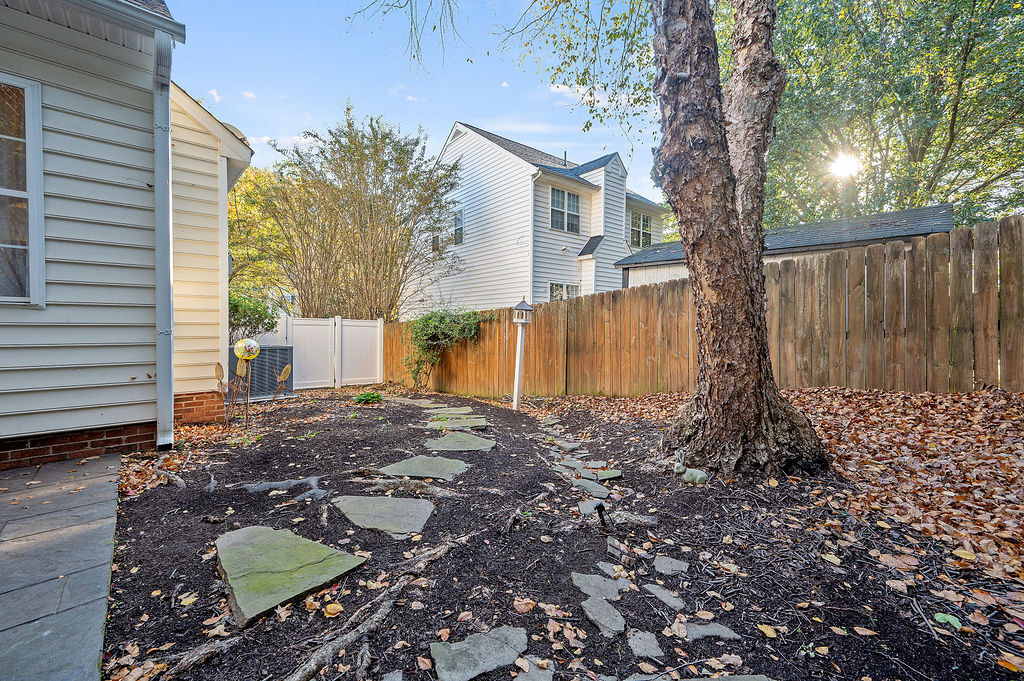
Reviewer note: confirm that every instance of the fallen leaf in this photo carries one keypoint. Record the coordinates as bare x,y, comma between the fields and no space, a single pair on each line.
424,663
705,615
333,609
647,667
523,605
767,630
465,616
443,634
832,558
283,612
863,631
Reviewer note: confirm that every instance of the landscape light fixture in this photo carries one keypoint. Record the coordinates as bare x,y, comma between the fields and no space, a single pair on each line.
521,314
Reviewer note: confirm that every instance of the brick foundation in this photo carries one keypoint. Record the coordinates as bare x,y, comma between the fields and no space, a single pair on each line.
40,449
204,407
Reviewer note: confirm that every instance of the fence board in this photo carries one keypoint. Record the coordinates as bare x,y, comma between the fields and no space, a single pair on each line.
986,304
874,316
1011,303
787,322
938,312
804,325
961,311
819,322
895,330
917,317
855,342
836,318
691,337
771,290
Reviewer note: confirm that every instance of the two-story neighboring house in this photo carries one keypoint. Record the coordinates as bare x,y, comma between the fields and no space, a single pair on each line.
535,226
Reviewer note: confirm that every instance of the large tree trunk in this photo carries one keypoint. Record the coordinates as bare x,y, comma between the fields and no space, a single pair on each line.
711,164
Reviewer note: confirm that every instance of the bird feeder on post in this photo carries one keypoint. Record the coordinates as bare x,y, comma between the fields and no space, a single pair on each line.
520,317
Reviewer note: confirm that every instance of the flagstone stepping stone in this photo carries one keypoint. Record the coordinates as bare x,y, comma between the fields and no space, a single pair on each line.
567,446
575,464
477,654
592,488
609,474
596,464
644,644
589,506
670,566
550,420
459,441
264,568
450,411
428,467
586,475
696,631
536,673
459,422
665,596
419,402
596,586
398,517
393,676
604,615
609,569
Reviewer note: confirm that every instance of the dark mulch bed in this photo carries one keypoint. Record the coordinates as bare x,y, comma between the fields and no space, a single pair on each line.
756,545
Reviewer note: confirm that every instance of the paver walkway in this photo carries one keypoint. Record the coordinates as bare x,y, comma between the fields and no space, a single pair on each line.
56,542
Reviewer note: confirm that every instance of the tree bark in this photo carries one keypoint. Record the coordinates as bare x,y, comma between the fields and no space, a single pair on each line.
711,164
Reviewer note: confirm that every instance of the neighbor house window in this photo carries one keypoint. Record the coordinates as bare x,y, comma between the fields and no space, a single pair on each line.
639,230
565,211
563,291
459,230
21,247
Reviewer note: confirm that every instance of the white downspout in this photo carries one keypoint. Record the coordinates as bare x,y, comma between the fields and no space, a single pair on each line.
163,240
533,229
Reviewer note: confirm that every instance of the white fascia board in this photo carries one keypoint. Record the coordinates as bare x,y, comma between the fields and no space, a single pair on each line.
134,16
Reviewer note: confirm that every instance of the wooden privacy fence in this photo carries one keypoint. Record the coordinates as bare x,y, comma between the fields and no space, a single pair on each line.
944,314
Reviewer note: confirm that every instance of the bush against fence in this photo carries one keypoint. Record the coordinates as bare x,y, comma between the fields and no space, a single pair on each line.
944,314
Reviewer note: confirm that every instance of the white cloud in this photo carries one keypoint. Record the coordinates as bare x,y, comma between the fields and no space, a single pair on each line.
248,94
396,89
213,93
504,83
410,98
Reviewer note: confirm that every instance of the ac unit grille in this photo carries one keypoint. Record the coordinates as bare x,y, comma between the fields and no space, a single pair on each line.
264,370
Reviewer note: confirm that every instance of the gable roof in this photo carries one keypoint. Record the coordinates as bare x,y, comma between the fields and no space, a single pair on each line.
813,236
591,246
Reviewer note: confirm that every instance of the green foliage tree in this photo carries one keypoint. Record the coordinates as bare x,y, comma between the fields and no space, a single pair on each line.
249,317
927,95
433,333
361,219
254,242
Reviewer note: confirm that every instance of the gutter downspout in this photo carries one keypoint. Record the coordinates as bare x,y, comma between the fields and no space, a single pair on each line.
533,229
163,240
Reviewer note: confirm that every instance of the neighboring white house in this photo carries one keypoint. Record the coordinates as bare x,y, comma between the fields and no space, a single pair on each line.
535,226
667,261
111,176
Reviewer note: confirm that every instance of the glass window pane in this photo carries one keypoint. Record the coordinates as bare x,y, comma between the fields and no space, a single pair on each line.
12,111
557,198
635,220
573,291
634,238
574,203
573,223
557,219
13,221
14,272
12,164
647,223
555,292
646,239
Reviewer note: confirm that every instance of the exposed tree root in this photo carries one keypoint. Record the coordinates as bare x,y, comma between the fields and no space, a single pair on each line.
173,477
371,614
200,655
515,514
417,486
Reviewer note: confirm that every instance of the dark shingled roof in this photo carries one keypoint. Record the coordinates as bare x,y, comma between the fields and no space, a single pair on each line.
813,236
633,196
154,6
591,245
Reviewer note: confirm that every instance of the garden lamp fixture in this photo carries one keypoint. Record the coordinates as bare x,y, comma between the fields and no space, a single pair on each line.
521,314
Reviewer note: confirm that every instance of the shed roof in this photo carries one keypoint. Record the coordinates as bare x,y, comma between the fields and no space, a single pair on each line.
812,236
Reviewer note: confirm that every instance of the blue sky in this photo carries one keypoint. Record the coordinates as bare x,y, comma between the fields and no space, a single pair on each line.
275,69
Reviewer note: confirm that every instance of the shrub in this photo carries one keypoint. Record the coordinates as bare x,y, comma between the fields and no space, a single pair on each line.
367,398
433,333
248,317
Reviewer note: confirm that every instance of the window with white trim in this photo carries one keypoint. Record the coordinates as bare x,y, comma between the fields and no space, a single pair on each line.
21,228
459,230
565,211
563,291
639,230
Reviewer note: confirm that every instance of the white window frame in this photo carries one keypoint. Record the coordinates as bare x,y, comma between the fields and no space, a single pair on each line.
569,290
459,229
563,223
648,229
33,193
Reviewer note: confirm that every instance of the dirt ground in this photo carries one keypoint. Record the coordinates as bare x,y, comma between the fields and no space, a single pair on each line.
821,578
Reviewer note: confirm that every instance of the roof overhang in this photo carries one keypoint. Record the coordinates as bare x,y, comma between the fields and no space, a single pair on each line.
134,16
556,176
232,147
647,203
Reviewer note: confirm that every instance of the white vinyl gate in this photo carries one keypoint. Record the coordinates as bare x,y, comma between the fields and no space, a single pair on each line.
332,352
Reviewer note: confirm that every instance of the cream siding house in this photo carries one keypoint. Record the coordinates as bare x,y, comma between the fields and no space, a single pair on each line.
534,225
87,348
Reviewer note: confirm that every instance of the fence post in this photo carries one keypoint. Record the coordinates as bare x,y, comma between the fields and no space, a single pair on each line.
380,350
336,352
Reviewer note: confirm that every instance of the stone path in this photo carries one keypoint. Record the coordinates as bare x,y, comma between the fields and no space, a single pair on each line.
397,516
428,467
56,542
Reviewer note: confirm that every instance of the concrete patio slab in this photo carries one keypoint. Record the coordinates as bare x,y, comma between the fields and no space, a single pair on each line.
56,542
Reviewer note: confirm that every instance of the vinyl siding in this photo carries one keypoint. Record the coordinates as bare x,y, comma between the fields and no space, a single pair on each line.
555,252
612,247
196,206
494,195
88,359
